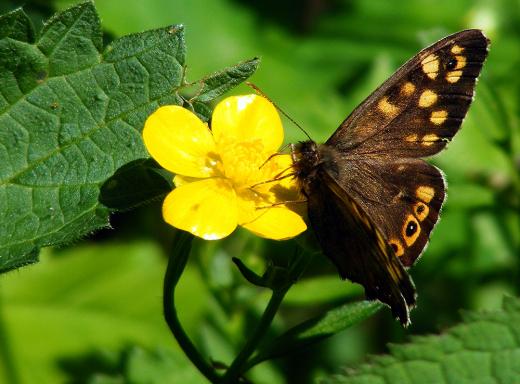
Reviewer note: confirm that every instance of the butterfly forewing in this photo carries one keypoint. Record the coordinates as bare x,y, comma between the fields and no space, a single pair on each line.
419,108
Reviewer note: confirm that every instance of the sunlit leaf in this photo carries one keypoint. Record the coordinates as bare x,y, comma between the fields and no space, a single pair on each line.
484,348
71,112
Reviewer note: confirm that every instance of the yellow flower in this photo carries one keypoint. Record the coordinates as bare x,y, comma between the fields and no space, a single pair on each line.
218,171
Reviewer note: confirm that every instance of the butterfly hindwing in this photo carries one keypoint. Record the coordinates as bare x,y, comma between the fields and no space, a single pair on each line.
357,248
403,198
421,106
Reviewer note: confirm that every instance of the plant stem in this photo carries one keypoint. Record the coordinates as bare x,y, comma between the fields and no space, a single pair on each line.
237,367
176,264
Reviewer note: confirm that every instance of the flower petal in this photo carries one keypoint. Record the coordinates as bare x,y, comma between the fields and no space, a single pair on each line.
280,167
280,185
180,142
279,163
246,118
277,223
206,208
179,180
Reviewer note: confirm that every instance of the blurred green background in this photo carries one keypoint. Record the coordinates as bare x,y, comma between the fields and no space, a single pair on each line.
91,312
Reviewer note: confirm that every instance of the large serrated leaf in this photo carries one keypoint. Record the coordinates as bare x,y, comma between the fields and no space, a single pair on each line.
71,115
17,26
485,348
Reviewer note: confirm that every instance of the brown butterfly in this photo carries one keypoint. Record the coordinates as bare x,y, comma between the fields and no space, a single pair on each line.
372,200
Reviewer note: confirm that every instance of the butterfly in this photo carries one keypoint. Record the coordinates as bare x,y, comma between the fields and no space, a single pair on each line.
372,200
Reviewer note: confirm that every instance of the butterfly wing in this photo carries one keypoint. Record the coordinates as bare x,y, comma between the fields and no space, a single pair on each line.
403,198
342,227
421,106
414,114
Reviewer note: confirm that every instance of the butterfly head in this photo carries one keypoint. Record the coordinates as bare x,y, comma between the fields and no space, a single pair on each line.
306,158
309,158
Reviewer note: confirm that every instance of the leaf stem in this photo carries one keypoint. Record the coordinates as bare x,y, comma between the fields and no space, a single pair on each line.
176,264
238,366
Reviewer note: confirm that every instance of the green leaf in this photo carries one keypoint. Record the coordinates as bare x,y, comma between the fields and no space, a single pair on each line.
221,82
319,328
248,274
321,290
16,25
484,348
134,184
71,115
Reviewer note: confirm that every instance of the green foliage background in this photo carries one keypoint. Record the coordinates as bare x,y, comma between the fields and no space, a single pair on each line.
91,311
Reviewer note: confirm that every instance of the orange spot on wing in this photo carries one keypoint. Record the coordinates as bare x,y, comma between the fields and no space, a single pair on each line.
453,76
456,49
421,210
387,108
427,98
411,230
425,193
430,66
430,139
407,89
439,117
397,247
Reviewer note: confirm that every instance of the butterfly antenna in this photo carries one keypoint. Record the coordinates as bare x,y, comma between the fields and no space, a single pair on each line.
259,91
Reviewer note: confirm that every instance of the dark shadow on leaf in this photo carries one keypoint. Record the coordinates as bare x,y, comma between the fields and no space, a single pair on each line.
134,184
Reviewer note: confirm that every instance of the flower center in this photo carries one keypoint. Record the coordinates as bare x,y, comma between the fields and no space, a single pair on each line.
242,162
